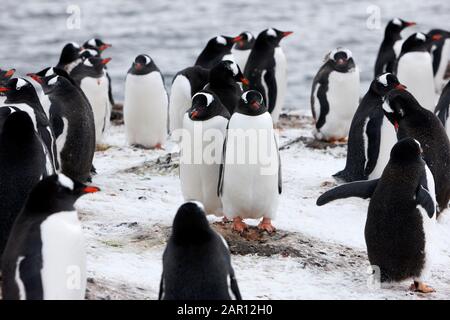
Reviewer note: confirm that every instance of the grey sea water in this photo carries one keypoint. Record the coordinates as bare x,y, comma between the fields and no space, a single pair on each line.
174,32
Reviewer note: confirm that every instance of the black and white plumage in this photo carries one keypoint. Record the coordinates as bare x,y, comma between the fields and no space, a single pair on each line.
412,120
391,46
401,215
185,85
72,121
223,81
5,75
196,261
367,139
241,49
70,57
199,176
335,95
440,51
442,107
216,50
45,258
266,69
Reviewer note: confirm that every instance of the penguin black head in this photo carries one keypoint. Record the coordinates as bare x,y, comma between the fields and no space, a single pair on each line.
399,104
221,43
251,103
395,26
48,73
206,105
96,44
5,75
52,82
143,64
227,71
87,53
96,64
419,42
340,59
247,41
190,224
385,83
406,150
56,193
69,53
18,128
272,37
19,90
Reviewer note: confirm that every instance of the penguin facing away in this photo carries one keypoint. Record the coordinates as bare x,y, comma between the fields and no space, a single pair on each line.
45,258
146,104
72,121
185,85
249,185
70,57
91,78
266,69
22,162
412,120
366,136
441,54
391,46
223,81
196,261
216,50
414,68
401,215
204,127
335,95
241,49
442,108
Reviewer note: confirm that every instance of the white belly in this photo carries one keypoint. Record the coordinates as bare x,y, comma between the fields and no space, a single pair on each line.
201,155
250,188
96,90
343,100
145,109
281,79
179,102
64,257
398,47
61,140
241,57
415,70
439,76
387,140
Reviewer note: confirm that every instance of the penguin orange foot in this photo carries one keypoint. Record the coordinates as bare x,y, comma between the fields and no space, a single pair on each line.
266,225
421,287
239,225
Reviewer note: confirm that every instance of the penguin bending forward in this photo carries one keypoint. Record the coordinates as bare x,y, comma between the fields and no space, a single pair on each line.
45,258
401,215
196,261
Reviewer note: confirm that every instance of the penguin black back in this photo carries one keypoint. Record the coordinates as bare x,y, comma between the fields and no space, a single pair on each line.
196,261
215,50
197,76
69,54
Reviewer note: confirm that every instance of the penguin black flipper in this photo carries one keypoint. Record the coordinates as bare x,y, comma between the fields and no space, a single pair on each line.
319,90
161,287
373,132
234,286
360,189
271,83
222,166
280,180
110,96
443,105
424,198
58,125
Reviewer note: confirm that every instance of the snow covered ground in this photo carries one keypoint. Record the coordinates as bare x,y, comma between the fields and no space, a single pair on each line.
128,222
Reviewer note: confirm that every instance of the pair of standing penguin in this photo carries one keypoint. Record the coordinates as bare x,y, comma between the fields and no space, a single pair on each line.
262,61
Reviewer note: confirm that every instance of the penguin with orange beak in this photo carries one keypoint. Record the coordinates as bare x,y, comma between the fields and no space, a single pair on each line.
216,50
5,75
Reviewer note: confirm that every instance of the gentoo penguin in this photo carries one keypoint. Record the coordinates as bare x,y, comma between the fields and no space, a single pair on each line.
185,84
5,75
266,69
45,258
412,120
415,68
442,108
196,261
99,46
216,50
241,49
22,94
22,165
391,46
91,78
204,125
250,178
146,104
371,134
440,51
335,95
72,121
70,57
401,215
223,79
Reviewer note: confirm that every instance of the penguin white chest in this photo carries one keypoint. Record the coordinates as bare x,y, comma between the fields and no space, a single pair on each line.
415,71
96,90
250,180
201,155
343,100
180,101
388,137
145,109
63,271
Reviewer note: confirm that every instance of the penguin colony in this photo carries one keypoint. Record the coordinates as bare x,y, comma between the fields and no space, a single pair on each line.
223,111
